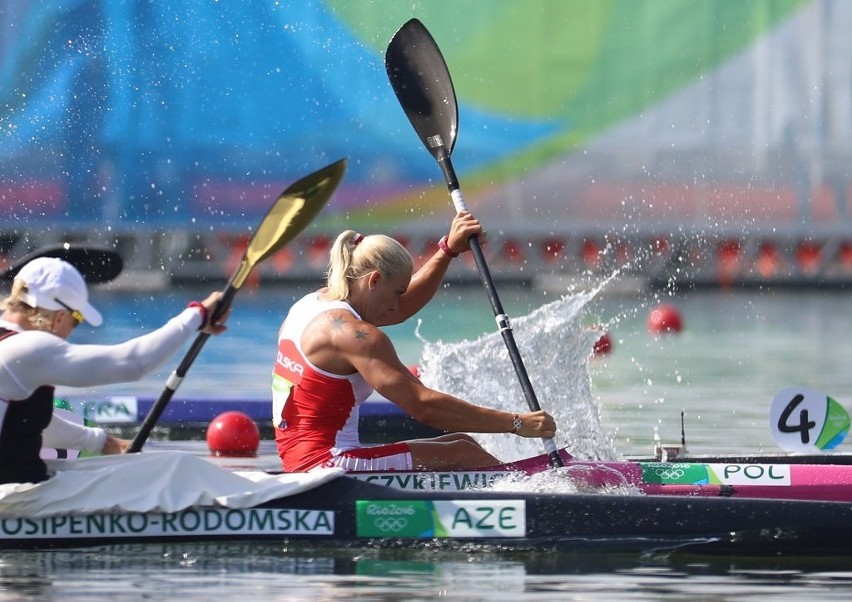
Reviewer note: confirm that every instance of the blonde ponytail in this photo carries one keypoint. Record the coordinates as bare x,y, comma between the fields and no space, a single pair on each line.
353,256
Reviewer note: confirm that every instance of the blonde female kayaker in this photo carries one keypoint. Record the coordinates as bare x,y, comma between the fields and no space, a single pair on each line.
48,300
332,355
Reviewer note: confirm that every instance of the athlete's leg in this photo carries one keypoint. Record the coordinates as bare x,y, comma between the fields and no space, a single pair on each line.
447,452
457,451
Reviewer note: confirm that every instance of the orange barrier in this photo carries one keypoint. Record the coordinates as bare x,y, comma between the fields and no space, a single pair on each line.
512,251
317,250
729,259
590,253
552,250
785,257
845,255
809,256
768,260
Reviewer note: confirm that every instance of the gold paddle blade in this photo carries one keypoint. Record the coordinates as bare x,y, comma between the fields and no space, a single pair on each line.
292,212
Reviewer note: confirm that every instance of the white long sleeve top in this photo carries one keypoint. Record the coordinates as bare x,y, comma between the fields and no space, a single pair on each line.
33,358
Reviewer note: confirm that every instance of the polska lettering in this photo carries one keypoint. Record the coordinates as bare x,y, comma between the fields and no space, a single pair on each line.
208,522
290,364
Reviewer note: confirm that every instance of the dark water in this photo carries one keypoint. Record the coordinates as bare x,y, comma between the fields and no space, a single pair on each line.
282,572
736,351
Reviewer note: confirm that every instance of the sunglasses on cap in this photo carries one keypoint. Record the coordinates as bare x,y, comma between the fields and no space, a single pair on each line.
78,317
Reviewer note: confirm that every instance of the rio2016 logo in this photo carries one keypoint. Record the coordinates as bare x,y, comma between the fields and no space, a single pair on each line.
422,519
390,525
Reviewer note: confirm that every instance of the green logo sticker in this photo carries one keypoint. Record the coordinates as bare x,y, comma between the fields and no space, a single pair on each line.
423,519
836,426
662,473
665,473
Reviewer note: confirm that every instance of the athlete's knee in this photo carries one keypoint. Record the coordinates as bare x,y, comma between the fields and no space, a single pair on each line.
463,446
461,438
468,442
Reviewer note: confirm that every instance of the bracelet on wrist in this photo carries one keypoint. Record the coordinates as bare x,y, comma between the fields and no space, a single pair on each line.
205,315
516,424
445,247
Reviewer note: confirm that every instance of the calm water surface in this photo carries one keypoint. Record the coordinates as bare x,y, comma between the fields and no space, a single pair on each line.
736,351
270,572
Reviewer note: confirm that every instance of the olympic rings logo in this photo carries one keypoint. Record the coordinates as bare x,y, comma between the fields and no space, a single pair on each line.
669,474
394,524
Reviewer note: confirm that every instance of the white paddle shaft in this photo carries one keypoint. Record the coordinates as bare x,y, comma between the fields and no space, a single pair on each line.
458,200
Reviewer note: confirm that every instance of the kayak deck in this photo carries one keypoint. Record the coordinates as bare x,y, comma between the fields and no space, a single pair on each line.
346,511
357,510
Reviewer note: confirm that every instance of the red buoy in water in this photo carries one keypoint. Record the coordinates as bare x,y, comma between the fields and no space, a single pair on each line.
233,434
665,318
603,345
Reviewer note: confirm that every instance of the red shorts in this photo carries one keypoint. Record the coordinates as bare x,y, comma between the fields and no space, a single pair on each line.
394,456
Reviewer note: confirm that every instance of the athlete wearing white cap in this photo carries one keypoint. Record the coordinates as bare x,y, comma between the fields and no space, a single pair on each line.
49,298
55,284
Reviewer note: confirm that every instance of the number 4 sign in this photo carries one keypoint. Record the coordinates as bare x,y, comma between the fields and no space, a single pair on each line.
806,420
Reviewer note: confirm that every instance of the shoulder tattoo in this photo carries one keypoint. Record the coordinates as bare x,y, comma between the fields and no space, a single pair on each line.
338,322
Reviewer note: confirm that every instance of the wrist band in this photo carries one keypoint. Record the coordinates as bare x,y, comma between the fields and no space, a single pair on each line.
204,314
442,244
516,424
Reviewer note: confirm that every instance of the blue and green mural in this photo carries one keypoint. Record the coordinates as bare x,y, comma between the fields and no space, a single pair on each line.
188,111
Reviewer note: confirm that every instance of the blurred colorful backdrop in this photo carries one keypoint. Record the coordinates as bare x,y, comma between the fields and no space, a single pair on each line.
572,112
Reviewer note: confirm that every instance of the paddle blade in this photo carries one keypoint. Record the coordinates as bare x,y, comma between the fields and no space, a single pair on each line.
95,263
420,78
292,212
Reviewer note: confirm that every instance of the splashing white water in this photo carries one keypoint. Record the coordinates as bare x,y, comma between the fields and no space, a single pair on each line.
555,348
568,479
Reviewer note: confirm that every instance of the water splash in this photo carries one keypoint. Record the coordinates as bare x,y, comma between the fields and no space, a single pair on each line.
568,479
556,348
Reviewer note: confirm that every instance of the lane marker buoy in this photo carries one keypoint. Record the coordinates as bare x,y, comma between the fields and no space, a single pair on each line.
665,318
233,434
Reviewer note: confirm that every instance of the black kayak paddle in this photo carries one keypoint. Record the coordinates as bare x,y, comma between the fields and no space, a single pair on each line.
421,81
97,264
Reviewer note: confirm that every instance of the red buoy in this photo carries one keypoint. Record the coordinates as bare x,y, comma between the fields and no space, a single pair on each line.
665,318
603,345
233,434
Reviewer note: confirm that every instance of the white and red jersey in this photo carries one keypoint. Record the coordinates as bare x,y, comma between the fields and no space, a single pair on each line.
315,413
